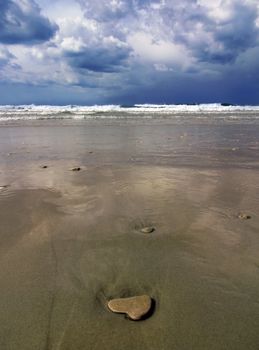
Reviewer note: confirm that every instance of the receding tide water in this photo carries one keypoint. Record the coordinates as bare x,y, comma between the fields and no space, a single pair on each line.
72,240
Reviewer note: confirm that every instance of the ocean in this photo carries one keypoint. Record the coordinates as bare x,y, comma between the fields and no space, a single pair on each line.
9,113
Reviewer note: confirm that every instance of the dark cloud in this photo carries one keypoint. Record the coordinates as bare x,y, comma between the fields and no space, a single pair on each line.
104,60
22,23
239,33
231,37
106,11
212,38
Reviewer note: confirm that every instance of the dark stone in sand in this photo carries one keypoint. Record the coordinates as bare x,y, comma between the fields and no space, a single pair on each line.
91,152
244,216
136,308
147,229
75,169
43,166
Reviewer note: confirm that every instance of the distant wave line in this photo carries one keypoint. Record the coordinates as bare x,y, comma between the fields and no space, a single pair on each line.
42,112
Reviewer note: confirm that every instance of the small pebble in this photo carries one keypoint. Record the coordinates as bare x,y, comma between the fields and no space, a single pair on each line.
243,216
75,169
184,135
43,166
147,229
134,307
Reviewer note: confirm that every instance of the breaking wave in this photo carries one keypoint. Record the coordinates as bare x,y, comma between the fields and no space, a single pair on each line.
42,112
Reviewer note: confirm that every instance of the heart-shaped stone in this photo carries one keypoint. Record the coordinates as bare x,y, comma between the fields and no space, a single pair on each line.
135,307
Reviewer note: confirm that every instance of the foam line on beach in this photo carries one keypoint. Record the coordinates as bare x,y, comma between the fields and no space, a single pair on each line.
70,112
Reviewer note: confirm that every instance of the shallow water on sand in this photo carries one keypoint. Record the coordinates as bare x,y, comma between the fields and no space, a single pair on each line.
70,241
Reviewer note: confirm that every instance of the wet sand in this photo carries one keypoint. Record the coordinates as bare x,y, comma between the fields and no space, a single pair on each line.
71,241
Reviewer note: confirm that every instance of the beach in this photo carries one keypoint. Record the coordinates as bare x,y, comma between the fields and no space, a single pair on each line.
72,240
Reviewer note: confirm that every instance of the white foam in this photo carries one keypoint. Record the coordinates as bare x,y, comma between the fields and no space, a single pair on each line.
35,112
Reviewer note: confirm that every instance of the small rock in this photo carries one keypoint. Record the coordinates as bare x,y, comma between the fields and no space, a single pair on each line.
75,169
243,216
90,152
135,307
184,135
43,166
147,229
3,187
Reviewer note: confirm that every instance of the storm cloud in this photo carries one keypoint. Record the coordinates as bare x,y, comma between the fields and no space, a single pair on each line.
22,23
215,34
98,59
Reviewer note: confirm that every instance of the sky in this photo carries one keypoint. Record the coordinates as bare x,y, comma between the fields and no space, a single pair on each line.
129,51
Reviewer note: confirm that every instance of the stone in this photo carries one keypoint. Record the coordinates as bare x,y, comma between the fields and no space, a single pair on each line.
3,187
134,307
244,216
147,229
75,169
43,166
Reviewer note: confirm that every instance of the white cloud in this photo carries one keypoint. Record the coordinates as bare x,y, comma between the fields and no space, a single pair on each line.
159,51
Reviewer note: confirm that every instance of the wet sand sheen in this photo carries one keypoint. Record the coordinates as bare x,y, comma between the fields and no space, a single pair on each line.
71,241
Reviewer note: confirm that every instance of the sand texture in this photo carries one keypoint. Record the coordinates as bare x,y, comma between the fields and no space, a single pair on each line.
71,241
